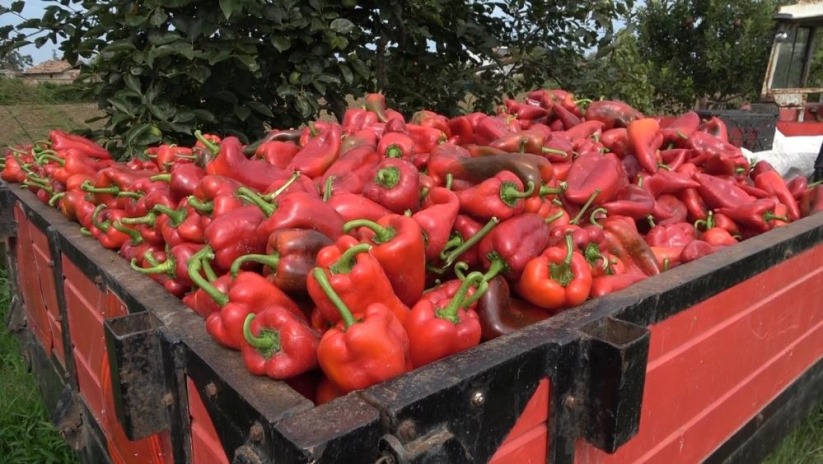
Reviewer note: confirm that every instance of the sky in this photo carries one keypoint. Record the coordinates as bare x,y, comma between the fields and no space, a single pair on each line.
32,9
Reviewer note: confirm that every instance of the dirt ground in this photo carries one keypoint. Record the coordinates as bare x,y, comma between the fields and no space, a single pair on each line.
26,123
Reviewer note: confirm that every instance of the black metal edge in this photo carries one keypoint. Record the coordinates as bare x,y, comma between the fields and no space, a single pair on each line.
565,408
57,272
174,359
96,449
760,435
7,225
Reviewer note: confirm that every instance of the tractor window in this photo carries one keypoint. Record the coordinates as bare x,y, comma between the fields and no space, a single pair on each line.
788,71
815,79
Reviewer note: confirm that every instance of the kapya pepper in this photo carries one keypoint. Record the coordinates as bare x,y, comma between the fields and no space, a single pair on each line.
296,210
290,256
176,264
397,243
436,219
234,234
509,246
559,278
624,241
231,162
368,346
278,344
500,196
612,113
352,170
594,173
642,135
774,184
315,157
351,206
445,325
356,277
755,215
64,141
529,168
395,184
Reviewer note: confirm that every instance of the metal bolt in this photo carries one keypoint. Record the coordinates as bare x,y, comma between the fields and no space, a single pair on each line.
256,432
478,398
407,430
98,281
50,263
211,389
570,402
167,400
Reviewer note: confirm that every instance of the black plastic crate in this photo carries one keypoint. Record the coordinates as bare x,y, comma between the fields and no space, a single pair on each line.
752,130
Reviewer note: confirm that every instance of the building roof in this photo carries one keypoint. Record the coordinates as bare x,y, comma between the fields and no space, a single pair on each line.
801,10
49,67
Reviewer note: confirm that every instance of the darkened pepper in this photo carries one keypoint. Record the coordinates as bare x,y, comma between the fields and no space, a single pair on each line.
395,184
624,241
397,243
278,344
446,325
559,278
501,314
356,276
318,154
436,219
612,113
500,196
717,128
234,234
290,256
368,346
527,167
297,210
642,135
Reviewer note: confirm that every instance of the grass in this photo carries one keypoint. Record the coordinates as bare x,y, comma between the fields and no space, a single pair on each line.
804,445
25,123
26,432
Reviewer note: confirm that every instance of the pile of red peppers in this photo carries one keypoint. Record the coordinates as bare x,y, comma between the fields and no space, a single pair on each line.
340,255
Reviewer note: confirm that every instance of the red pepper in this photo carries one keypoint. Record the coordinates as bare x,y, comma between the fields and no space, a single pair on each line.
755,215
445,325
775,186
396,145
717,128
672,182
500,196
642,135
508,248
606,284
278,344
565,116
318,154
612,113
501,314
559,278
395,184
183,179
671,235
397,243
175,265
234,234
351,206
354,119
463,127
277,153
631,201
718,236
356,276
585,131
680,128
297,210
528,168
106,229
490,128
436,219
368,346
594,173
431,119
674,158
352,170
231,162
290,256
718,192
425,138
696,250
617,141
63,141
668,209
625,242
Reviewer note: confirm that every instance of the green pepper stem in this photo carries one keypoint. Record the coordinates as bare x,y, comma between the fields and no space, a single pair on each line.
555,217
569,250
554,151
208,270
177,216
211,146
125,193
327,188
498,265
166,267
194,268
86,232
149,219
292,179
55,198
347,261
134,235
149,257
478,293
323,280
387,177
271,261
393,151
650,218
585,207
593,254
248,194
770,216
458,301
454,242
562,273
509,192
467,244
381,234
27,183
595,213
545,190
200,206
102,226
50,157
165,177
449,181
459,268
267,343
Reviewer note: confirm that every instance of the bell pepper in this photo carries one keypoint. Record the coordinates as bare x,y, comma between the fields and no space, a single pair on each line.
509,246
442,160
464,244
395,185
290,256
352,169
396,145
671,235
234,234
501,314
606,284
624,241
315,157
632,201
356,276
176,264
351,206
73,205
755,215
774,184
718,192
436,219
590,173
668,209
105,228
445,325
674,158
63,141
297,210
231,162
559,278
397,243
642,135
368,346
717,128
587,130
182,179
718,236
500,196
616,141
565,116
612,113
696,250
277,153
278,344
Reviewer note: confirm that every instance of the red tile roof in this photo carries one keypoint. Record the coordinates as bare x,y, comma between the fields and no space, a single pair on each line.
49,67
